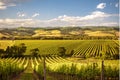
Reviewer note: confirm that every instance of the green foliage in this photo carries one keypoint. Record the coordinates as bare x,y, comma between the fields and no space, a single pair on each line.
40,69
16,50
89,71
63,69
22,48
71,53
34,51
73,69
7,70
61,51
111,71
2,52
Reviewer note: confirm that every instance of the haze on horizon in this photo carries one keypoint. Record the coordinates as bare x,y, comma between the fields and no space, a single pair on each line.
53,13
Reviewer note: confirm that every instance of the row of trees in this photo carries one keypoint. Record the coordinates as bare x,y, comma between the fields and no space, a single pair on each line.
18,50
15,50
69,37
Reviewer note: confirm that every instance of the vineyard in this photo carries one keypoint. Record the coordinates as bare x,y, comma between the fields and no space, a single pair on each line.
89,48
62,68
57,66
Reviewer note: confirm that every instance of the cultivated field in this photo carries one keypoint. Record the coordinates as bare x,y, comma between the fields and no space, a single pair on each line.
62,68
57,68
81,47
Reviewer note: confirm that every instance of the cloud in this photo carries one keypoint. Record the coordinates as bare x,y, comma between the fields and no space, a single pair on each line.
36,14
101,6
13,1
2,6
109,24
96,18
20,14
11,23
94,15
5,5
117,5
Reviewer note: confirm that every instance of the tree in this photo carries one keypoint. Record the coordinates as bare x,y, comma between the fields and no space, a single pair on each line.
34,51
16,50
22,48
1,51
70,54
8,51
61,51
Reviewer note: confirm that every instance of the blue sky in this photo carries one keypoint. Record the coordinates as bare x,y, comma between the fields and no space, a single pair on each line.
44,13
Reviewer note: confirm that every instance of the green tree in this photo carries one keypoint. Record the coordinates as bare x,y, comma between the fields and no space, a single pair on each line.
34,51
22,48
16,50
1,51
70,54
61,51
8,51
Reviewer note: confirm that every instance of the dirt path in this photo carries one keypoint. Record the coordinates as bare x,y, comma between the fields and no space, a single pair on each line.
28,74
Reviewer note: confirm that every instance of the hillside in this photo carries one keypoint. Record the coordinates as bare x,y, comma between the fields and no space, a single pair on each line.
58,33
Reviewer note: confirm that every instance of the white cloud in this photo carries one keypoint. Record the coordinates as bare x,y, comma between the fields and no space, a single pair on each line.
116,5
14,1
101,6
109,24
94,15
20,14
36,14
2,6
96,18
5,5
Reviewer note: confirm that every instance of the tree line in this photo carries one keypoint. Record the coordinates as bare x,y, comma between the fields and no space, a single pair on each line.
68,37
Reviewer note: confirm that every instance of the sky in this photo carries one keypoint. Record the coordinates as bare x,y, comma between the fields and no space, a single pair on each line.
58,13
